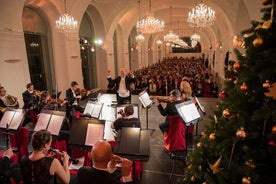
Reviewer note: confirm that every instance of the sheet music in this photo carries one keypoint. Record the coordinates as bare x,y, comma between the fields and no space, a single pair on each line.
145,99
108,132
16,120
108,113
96,110
6,119
55,124
88,108
42,121
188,112
94,133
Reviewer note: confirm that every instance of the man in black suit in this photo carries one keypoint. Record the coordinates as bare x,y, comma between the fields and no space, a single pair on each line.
104,165
29,97
170,109
122,86
73,97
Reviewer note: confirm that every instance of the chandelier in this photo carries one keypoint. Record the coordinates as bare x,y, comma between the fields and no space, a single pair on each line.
194,39
66,23
150,24
170,37
139,38
201,16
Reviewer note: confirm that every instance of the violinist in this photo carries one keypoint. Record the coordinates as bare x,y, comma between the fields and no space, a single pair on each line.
46,102
126,119
73,98
170,109
6,101
30,98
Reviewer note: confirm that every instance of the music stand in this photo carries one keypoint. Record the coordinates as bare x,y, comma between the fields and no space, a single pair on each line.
92,109
50,120
147,103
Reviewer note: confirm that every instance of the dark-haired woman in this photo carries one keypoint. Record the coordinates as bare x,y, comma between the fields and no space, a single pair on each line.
38,168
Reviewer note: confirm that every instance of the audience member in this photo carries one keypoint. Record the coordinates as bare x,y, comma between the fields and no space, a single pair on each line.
40,168
104,166
6,100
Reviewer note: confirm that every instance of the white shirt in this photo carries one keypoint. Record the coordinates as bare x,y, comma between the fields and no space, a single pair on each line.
123,91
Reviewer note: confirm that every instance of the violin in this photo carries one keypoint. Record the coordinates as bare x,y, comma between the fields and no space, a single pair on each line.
165,99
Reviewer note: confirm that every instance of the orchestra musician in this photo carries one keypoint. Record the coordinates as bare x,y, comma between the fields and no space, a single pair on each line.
170,109
73,98
6,101
122,85
126,119
30,97
46,102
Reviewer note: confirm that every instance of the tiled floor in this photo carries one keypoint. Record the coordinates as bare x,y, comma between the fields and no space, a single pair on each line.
158,169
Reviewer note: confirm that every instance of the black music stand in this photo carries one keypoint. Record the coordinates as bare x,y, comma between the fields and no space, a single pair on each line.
133,143
147,103
80,133
10,124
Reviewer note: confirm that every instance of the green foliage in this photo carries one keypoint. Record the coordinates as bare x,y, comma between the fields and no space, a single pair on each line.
251,112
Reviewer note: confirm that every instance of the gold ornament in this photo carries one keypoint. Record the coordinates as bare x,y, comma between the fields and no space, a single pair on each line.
226,113
241,133
215,167
258,42
244,87
193,178
267,24
200,168
199,144
266,84
246,180
272,91
216,119
205,182
266,2
212,136
237,65
190,166
273,130
250,164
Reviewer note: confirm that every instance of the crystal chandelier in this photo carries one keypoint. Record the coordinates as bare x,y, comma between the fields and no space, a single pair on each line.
66,23
159,42
170,37
139,38
201,16
150,24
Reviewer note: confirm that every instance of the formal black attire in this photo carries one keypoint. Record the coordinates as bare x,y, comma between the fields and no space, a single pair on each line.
37,171
30,100
95,176
2,108
128,81
169,110
124,122
8,169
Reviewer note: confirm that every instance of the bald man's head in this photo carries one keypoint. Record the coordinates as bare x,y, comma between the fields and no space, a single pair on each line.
123,72
101,152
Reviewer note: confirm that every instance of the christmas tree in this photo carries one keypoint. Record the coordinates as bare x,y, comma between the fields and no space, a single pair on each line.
239,143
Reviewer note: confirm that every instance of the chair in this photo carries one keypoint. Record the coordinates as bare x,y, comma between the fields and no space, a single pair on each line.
20,141
174,139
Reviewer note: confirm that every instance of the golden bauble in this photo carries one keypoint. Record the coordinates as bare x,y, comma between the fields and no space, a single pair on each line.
266,2
199,144
193,178
246,180
200,168
258,42
244,87
226,113
266,84
237,65
241,133
212,136
267,24
273,130
205,182
190,166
